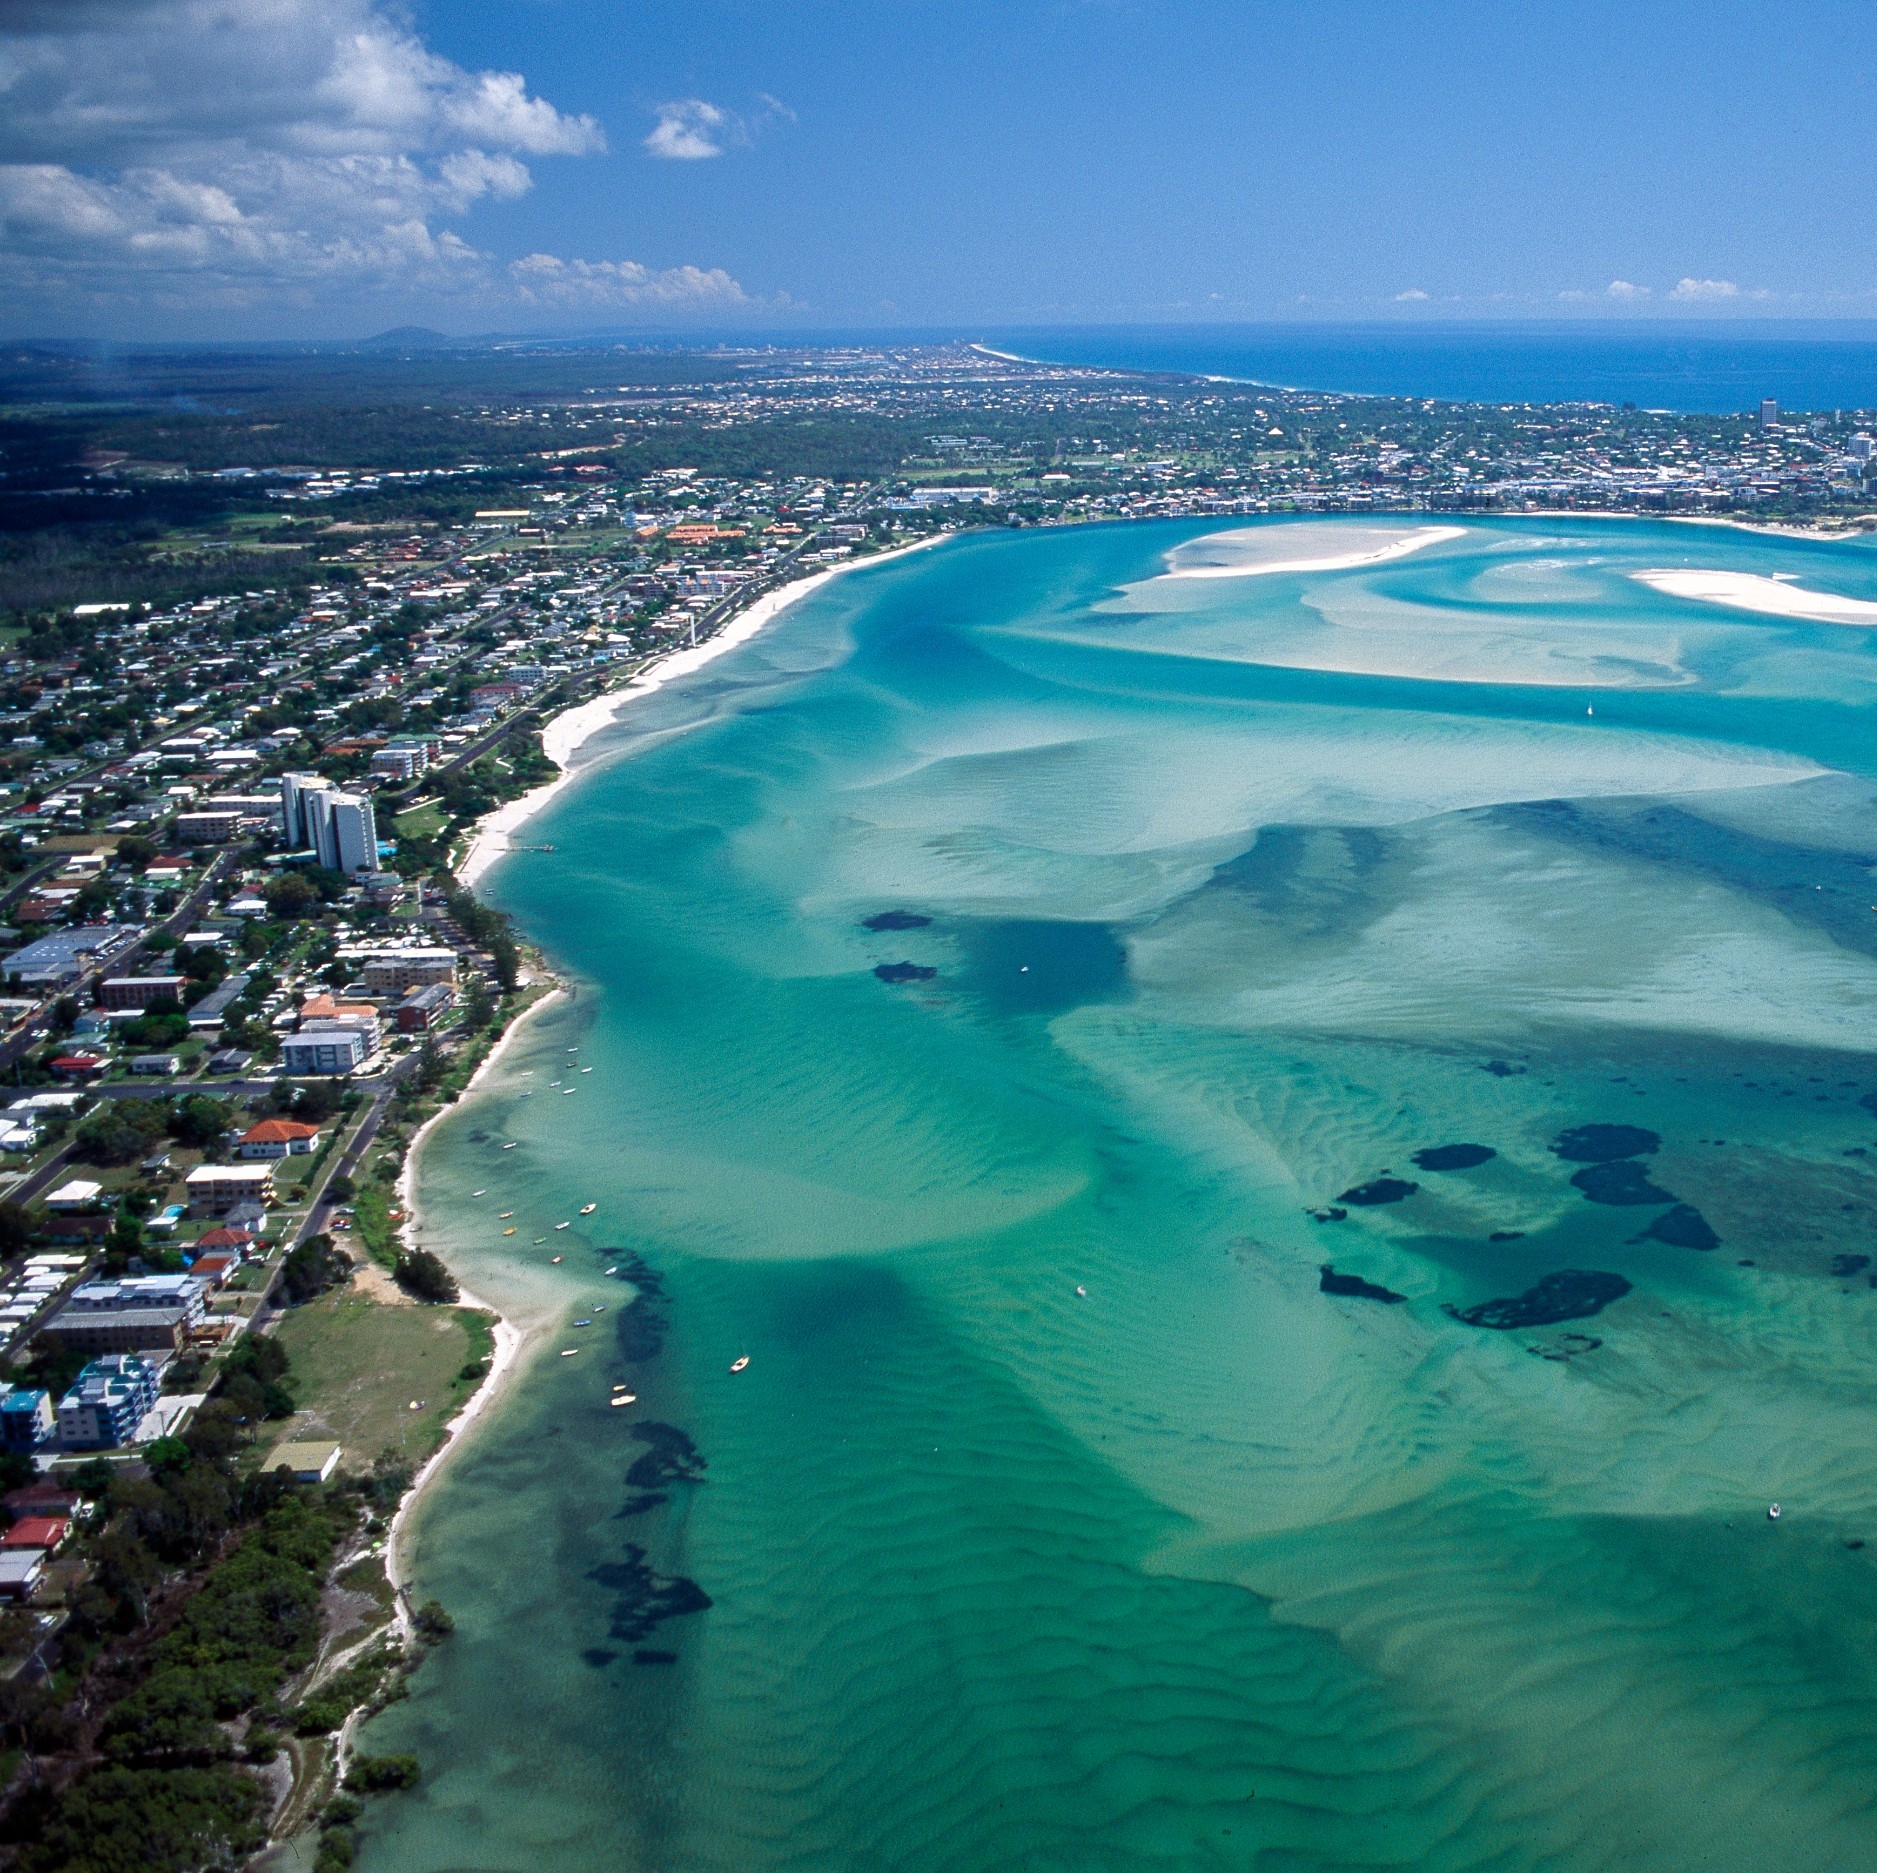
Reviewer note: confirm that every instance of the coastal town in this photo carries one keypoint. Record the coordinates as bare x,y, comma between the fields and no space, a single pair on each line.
262,687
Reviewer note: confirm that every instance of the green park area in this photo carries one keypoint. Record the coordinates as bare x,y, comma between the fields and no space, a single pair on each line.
359,1363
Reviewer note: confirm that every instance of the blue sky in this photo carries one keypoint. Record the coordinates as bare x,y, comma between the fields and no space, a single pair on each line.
330,166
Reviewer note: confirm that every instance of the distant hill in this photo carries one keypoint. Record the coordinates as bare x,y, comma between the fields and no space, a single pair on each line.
407,338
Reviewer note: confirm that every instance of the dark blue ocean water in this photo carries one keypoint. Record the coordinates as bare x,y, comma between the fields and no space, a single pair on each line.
1814,365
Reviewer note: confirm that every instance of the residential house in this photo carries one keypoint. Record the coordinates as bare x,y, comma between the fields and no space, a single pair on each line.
278,1138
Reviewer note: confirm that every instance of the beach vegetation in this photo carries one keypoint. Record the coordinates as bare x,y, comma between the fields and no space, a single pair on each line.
424,1275
372,1775
371,1220
432,1621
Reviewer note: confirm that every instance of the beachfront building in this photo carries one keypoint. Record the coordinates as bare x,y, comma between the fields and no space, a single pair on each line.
215,1189
345,832
391,972
340,828
107,1402
421,1009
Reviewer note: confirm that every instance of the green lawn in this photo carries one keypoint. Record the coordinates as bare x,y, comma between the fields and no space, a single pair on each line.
423,822
357,1364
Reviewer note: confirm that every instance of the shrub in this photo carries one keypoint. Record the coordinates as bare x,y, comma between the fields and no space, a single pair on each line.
373,1775
150,1821
433,1621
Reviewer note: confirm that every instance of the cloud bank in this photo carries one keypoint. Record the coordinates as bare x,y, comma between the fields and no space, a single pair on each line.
242,153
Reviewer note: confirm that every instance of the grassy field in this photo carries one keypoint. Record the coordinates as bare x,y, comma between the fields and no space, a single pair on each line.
423,822
357,1364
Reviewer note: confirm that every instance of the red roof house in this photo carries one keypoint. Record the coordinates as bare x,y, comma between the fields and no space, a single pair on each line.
37,1531
278,1138
228,1238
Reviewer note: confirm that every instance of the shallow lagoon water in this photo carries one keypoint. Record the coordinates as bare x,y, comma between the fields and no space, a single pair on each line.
1061,1518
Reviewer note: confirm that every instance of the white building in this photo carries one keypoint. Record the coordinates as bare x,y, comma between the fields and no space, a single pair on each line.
325,1049
344,831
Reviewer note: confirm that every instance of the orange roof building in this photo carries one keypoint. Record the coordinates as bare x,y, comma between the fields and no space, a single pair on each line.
277,1138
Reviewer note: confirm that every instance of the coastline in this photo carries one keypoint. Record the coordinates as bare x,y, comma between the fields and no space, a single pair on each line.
511,1341
563,734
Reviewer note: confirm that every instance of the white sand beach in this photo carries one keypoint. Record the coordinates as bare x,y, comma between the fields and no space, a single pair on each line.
1751,591
566,732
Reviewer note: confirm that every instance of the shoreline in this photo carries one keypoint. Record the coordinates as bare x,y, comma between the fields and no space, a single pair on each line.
511,1341
564,734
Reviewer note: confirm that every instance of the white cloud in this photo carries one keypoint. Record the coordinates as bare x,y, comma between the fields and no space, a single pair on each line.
1705,289
191,153
547,279
1413,292
689,129
1623,289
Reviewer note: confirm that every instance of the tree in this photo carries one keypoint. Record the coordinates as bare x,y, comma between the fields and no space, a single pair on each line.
201,1121
119,1131
290,896
313,1267
16,1228
318,1099
136,851
423,1275
124,1241
150,1821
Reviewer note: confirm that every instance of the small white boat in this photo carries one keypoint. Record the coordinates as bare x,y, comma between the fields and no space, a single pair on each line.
478,1193
587,1209
625,1398
569,1089
509,1231
613,1270
567,1352
556,1260
510,1146
502,1216
563,1225
583,1323
737,1364
586,1069
1772,1512
1081,1293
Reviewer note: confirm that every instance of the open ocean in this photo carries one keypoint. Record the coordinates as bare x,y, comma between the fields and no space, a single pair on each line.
1803,364
1069,1516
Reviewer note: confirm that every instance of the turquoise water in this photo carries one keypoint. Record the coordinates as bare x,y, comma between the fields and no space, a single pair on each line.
1061,1518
